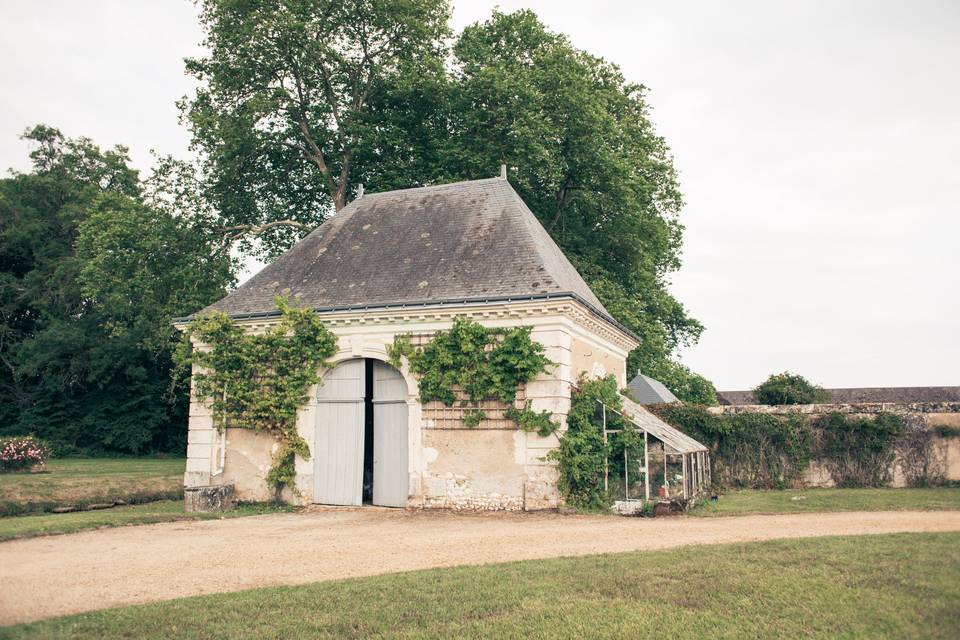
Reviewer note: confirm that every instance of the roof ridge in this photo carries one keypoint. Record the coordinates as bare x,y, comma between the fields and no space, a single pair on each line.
552,257
375,194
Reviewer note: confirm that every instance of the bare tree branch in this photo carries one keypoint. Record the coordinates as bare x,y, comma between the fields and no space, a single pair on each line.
316,155
563,197
255,230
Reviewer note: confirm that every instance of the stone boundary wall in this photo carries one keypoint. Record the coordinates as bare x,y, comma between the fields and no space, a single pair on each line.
945,451
862,408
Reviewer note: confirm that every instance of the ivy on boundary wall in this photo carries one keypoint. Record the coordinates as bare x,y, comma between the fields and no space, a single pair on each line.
484,363
772,451
859,452
260,381
747,449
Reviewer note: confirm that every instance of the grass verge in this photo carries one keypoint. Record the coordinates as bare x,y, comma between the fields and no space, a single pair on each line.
739,503
83,481
904,585
163,511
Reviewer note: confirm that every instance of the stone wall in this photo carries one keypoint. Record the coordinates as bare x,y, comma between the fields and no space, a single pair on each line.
944,455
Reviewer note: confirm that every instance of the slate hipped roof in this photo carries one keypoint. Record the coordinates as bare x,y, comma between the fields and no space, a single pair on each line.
472,240
647,390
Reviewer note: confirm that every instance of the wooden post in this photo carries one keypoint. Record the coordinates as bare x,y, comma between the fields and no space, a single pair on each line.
693,474
696,473
626,476
606,457
683,457
666,483
699,472
646,467
703,469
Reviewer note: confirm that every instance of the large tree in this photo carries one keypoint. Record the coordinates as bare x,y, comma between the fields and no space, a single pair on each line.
586,158
285,105
294,112
90,277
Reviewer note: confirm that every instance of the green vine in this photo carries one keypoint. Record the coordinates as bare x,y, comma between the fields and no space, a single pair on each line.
859,451
531,421
772,451
473,417
484,363
945,431
756,450
583,455
260,381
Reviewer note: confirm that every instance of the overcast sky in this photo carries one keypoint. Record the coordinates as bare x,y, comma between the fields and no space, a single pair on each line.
818,145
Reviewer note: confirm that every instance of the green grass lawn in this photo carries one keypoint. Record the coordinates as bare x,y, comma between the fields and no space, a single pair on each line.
83,481
153,512
891,586
738,503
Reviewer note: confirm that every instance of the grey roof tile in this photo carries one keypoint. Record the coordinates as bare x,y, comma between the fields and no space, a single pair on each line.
473,239
647,390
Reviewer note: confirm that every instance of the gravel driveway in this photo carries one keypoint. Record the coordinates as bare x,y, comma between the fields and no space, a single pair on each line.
57,575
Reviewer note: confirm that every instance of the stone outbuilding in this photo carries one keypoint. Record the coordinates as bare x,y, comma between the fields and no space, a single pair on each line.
409,262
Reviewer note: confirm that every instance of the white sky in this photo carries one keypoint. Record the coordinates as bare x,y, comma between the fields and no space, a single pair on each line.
818,145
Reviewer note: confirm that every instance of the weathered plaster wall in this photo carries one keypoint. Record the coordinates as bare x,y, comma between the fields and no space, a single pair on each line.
945,455
494,465
480,468
597,360
248,459
949,447
473,469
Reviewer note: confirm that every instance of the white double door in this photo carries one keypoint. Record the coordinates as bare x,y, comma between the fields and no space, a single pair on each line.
340,439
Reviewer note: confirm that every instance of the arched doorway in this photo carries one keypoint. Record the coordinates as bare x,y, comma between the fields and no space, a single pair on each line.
361,446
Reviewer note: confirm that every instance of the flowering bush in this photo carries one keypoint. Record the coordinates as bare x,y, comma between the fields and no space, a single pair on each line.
22,452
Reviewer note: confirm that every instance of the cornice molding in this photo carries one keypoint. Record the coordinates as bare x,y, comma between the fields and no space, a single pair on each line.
396,319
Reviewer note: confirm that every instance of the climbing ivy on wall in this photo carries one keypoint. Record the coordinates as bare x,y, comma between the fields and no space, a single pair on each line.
859,451
484,363
757,450
583,454
260,381
762,450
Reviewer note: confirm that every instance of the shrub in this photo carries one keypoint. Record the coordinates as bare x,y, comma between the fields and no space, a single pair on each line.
22,452
788,388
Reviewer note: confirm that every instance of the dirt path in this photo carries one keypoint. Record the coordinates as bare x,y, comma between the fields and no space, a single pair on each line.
51,576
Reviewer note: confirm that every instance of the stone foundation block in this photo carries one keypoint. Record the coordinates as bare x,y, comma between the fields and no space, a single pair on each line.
217,497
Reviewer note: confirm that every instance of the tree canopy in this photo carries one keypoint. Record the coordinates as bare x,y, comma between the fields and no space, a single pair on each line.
287,102
90,277
789,388
302,101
